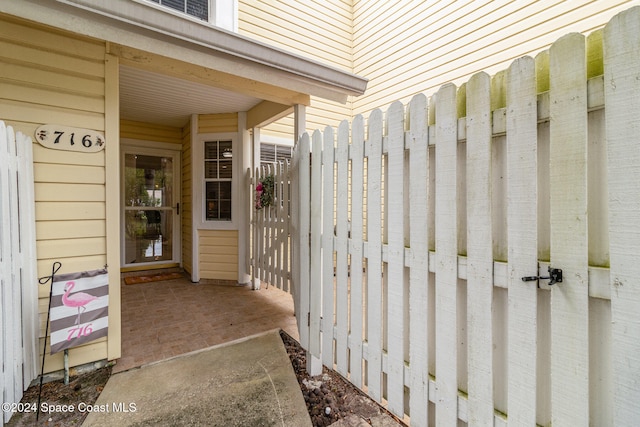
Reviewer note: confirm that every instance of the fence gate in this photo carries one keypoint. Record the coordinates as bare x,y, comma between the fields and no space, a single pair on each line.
270,244
429,242
18,276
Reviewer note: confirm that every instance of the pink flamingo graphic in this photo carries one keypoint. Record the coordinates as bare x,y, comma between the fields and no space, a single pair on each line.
79,299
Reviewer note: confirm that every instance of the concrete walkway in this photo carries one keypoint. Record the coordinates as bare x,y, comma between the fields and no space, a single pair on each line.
248,382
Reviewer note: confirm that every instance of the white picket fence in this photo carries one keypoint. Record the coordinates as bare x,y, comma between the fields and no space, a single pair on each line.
413,233
270,256
18,275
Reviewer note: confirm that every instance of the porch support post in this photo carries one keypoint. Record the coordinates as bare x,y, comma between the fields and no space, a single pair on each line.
243,204
314,362
112,205
195,257
299,121
255,277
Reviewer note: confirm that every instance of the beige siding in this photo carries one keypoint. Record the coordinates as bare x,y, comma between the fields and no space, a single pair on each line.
411,47
325,36
53,77
219,254
316,29
218,123
150,132
186,211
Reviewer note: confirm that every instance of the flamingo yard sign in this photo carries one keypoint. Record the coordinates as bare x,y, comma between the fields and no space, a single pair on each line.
79,308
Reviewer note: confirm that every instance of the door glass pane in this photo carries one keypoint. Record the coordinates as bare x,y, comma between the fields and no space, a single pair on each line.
148,181
148,205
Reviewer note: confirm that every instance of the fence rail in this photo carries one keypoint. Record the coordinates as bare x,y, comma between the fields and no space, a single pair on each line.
18,283
414,231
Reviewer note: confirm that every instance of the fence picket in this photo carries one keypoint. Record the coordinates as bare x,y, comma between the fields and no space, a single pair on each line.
286,207
7,323
622,115
395,280
355,249
479,251
374,264
522,248
11,295
304,201
446,257
419,273
342,267
569,241
272,237
315,293
328,204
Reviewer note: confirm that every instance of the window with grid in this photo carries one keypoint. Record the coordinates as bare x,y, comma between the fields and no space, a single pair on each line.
197,8
218,174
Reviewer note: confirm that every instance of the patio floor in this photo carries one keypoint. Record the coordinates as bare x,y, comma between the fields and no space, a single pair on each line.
167,318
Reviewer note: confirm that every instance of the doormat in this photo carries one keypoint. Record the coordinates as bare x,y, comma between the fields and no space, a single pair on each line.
133,280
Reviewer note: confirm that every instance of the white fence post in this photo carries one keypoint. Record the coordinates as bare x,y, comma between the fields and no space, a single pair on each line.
19,324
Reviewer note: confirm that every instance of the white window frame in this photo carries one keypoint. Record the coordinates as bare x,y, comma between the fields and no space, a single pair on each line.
134,146
199,187
222,13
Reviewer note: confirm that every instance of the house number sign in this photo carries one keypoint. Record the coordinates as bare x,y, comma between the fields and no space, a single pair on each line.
70,139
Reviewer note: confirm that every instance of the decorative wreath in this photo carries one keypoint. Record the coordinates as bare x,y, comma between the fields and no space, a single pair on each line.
264,192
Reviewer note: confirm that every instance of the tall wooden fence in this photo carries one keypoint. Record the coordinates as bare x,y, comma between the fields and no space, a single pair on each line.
18,283
429,223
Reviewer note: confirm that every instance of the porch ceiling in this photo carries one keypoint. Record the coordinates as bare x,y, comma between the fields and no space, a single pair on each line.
151,97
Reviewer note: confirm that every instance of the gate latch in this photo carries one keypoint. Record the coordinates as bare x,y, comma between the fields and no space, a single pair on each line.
555,276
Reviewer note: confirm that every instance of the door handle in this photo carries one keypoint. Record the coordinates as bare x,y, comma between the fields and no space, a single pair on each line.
177,208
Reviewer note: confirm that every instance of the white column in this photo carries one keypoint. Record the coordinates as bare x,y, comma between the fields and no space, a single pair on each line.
299,121
255,162
244,159
195,250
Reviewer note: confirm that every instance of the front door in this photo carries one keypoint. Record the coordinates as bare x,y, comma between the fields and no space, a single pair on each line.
150,217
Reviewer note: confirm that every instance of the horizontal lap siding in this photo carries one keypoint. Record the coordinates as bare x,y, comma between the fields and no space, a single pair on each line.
150,132
218,254
218,123
325,37
52,77
415,47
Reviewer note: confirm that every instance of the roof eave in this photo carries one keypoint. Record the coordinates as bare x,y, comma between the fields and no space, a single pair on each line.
196,41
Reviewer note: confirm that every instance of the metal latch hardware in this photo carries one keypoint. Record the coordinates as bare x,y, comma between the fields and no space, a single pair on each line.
555,276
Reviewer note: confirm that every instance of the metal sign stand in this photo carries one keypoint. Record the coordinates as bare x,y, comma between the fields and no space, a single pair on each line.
43,281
